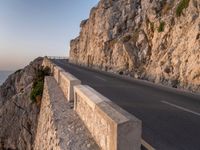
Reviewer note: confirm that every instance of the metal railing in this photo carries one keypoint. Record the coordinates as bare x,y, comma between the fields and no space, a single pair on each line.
57,57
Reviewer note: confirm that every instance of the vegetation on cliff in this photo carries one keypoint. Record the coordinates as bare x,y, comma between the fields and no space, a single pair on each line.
38,84
183,4
18,113
161,27
155,40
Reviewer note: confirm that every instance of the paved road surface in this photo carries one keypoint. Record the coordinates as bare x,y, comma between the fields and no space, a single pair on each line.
171,119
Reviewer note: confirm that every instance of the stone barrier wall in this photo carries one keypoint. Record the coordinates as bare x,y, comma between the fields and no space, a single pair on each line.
59,126
64,79
67,83
46,136
111,126
56,73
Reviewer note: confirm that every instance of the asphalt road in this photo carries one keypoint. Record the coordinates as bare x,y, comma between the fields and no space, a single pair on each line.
170,118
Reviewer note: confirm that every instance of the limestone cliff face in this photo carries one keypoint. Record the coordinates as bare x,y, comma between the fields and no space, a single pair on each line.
155,40
18,115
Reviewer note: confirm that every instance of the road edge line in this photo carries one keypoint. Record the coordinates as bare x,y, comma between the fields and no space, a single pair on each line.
147,146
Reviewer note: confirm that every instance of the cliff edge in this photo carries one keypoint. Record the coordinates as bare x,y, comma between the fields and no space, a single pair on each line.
18,115
155,40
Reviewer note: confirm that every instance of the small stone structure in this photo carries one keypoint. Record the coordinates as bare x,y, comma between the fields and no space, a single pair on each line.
48,63
111,126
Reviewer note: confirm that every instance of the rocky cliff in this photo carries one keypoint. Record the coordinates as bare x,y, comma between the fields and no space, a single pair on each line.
18,115
155,40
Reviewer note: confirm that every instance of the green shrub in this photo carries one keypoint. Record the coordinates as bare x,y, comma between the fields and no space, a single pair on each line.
183,4
38,83
161,27
37,90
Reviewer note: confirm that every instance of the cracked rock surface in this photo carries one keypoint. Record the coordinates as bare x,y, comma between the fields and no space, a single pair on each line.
18,115
145,39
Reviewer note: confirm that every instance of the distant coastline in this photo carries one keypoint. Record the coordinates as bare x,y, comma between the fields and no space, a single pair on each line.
4,75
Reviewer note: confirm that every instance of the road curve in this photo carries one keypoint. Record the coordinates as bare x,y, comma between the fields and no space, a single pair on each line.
170,118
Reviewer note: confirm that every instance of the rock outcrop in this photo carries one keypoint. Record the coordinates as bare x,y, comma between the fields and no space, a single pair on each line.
18,115
155,40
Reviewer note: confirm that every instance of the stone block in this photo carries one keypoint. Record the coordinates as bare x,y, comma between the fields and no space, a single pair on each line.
67,83
112,127
56,72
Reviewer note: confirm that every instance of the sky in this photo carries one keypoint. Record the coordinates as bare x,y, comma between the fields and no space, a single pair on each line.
32,28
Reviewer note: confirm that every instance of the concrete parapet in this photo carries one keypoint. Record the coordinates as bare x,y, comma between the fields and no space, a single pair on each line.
56,72
67,83
112,127
64,79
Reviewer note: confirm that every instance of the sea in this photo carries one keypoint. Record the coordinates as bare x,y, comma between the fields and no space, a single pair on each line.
4,75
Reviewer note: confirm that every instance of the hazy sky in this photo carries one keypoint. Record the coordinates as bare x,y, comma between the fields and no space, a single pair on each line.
32,28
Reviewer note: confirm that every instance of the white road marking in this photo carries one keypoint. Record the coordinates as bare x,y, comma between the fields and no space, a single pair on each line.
100,78
147,146
182,108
